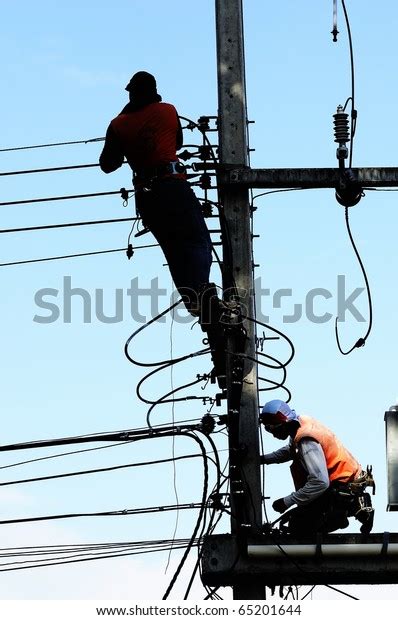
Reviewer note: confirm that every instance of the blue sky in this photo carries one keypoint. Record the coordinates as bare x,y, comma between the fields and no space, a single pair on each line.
64,69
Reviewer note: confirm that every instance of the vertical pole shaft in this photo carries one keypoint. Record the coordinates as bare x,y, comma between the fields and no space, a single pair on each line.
243,415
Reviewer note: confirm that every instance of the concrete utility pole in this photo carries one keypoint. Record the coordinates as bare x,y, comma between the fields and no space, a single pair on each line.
242,403
243,559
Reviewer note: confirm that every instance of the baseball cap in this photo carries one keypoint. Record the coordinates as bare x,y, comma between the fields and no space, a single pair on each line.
142,82
277,412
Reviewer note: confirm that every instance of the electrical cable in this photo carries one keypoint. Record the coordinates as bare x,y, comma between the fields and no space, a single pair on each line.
308,593
68,225
56,169
44,443
108,513
117,513
215,492
150,374
361,342
162,546
281,334
140,329
79,255
173,439
342,592
54,456
277,191
200,516
275,386
98,470
126,436
216,489
42,146
54,198
51,258
354,112
162,399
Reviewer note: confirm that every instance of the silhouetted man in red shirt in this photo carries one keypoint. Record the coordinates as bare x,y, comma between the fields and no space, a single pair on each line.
148,134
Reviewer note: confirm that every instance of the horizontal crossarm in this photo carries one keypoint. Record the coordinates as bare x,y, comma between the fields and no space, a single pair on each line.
279,178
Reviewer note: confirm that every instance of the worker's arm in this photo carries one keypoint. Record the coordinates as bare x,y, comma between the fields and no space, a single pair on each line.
111,157
279,456
179,139
314,462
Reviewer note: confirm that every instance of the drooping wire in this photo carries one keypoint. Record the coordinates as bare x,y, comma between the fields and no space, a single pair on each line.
145,326
199,519
173,439
163,399
278,191
210,528
361,342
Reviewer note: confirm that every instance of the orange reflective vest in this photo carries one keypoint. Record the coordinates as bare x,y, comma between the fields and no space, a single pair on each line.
340,463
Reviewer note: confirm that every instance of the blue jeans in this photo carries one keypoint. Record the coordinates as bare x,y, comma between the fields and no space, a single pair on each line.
173,214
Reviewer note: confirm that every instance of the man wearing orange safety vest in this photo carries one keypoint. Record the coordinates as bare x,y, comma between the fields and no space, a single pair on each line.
329,481
148,134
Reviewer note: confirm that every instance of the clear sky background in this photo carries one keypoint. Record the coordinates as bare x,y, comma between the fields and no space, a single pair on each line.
64,68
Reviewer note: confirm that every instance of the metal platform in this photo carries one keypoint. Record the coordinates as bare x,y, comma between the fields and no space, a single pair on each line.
281,560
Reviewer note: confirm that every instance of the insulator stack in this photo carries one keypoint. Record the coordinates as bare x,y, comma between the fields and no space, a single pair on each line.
341,126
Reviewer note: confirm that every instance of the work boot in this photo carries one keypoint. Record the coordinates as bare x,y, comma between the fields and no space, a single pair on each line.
367,525
365,514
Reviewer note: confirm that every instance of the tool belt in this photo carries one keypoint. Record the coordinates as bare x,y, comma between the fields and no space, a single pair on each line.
145,176
357,486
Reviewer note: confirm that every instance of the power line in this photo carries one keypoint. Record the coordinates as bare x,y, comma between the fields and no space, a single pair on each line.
42,260
68,225
54,198
58,168
73,452
105,551
42,146
108,513
88,223
342,592
98,470
51,258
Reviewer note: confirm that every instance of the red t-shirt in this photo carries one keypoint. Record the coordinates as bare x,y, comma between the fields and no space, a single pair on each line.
148,135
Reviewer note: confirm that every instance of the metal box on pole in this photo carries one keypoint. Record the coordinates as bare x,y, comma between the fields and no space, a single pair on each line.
391,420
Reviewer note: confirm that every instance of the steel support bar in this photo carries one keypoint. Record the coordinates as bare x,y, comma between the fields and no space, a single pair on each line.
335,559
280,178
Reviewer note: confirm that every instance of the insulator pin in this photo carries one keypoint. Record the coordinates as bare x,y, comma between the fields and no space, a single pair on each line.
341,126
